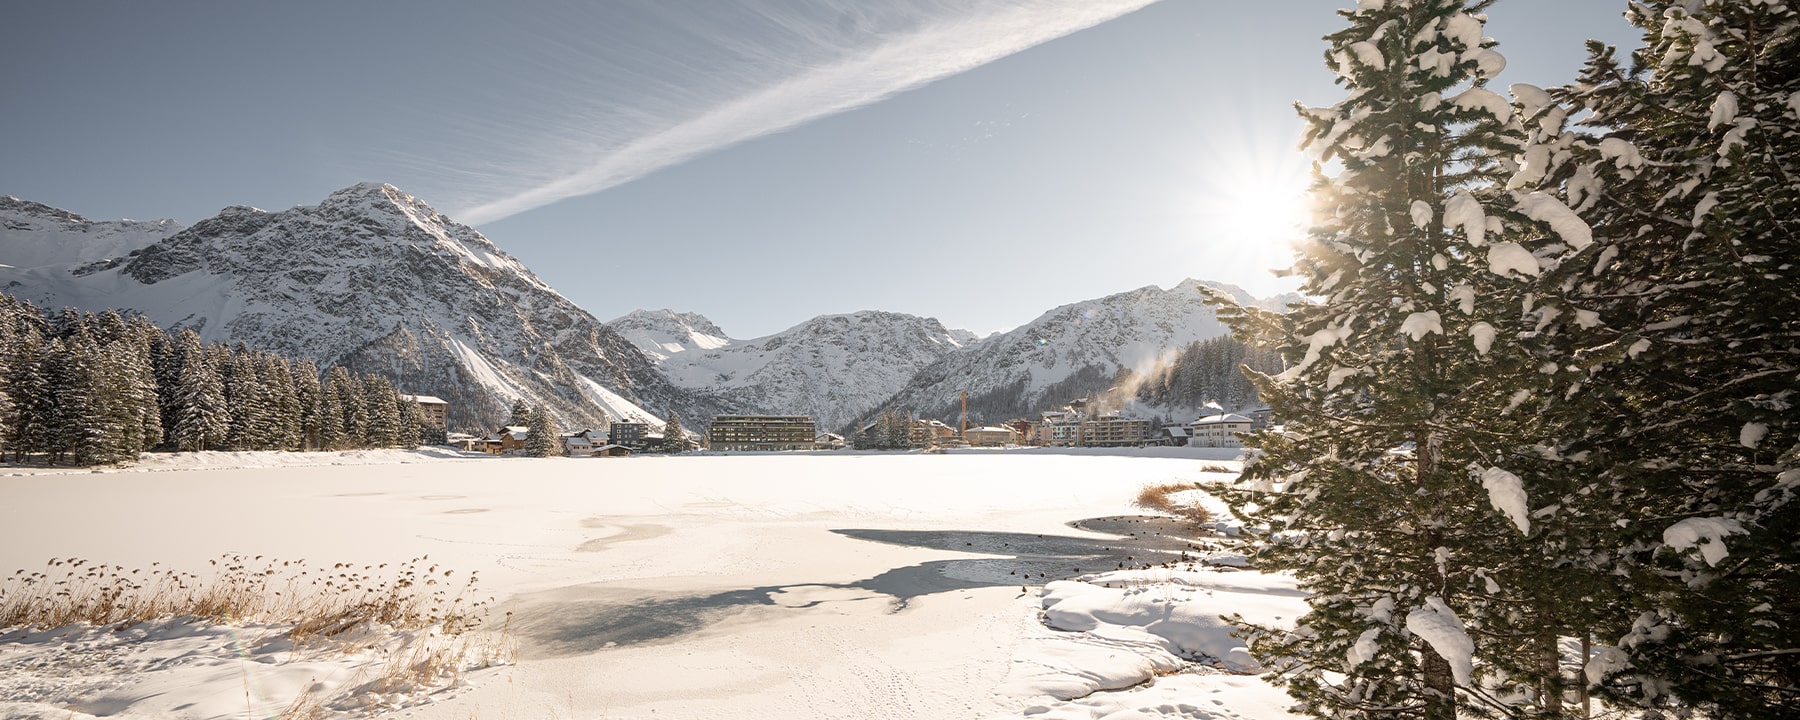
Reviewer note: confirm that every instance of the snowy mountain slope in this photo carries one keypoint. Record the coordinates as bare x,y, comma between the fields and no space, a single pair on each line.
375,279
662,333
833,367
35,235
1069,352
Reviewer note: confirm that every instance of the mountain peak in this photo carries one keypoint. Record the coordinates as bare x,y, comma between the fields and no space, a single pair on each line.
12,205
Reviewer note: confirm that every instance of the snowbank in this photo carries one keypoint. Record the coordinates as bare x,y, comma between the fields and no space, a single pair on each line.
1132,625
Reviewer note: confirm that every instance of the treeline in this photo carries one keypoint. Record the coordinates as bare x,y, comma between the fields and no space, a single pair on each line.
1205,371
86,388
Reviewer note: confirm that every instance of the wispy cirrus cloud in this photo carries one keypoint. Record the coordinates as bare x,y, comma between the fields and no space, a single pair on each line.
620,94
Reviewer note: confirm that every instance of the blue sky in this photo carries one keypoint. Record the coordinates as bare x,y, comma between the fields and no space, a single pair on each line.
759,162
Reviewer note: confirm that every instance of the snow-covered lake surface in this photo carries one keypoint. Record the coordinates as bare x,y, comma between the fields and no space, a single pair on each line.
711,586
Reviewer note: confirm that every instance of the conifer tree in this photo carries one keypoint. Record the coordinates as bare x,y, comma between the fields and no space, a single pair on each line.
542,437
353,407
520,415
383,410
275,374
29,391
1390,488
309,398
1673,420
674,438
248,401
412,426
202,417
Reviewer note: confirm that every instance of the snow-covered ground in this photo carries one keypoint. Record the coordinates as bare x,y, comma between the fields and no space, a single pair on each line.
707,586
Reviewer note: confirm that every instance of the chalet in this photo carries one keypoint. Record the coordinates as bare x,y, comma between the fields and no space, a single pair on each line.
610,450
828,441
582,444
511,437
1175,435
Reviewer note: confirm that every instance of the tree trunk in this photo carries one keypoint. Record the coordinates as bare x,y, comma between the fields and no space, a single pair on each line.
1440,685
1551,683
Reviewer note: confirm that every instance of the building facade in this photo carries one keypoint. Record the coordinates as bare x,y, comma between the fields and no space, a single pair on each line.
1219,431
997,436
627,433
762,432
433,410
1114,431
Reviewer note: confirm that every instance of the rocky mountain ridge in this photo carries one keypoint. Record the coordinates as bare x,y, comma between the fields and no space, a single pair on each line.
37,235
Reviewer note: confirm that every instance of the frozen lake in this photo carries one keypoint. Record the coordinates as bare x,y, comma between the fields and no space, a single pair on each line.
756,586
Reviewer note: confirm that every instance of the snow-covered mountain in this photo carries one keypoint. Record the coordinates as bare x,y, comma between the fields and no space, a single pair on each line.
835,368
374,279
34,235
663,333
1072,351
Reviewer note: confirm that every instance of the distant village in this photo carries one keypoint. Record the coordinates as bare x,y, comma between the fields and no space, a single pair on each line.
1077,424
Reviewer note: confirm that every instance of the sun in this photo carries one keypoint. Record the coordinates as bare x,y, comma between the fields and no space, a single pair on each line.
1255,213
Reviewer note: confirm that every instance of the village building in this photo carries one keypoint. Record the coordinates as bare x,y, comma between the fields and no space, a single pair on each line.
997,436
433,410
1114,431
1173,435
1025,428
762,432
628,433
926,433
582,444
1061,428
1219,431
828,441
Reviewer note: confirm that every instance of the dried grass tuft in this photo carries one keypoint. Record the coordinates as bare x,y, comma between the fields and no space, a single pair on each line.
317,603
1156,498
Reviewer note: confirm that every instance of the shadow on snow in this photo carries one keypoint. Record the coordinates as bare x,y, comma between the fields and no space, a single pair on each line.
582,619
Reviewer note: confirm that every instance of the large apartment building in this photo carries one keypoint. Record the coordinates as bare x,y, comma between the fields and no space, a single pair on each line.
1114,431
762,432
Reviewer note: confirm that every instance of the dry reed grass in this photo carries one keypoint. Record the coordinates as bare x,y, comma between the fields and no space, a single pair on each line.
420,617
1156,498
317,603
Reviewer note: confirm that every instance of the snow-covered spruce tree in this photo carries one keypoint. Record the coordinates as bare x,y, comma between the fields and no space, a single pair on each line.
542,436
201,416
340,402
284,401
674,438
1388,493
248,401
520,415
1679,420
383,408
308,397
412,425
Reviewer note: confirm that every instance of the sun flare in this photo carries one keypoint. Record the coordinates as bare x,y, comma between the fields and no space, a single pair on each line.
1258,209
